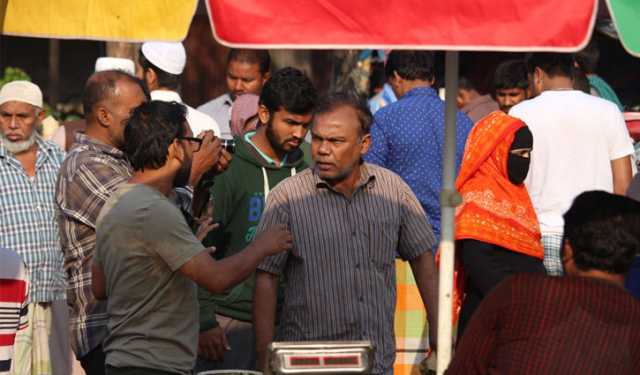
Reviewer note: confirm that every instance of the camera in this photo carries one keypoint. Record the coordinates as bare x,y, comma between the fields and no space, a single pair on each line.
229,145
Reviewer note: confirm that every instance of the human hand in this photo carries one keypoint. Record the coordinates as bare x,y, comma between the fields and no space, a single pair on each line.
274,240
223,161
205,225
212,344
205,158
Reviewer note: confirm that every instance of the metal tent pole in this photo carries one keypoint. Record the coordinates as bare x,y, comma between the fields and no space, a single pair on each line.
449,199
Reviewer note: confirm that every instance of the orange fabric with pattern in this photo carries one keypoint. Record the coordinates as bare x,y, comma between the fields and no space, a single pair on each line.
494,210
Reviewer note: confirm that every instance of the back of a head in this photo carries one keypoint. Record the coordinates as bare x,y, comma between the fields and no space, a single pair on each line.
259,57
603,230
554,64
337,100
588,57
168,73
411,65
102,86
511,74
290,89
149,132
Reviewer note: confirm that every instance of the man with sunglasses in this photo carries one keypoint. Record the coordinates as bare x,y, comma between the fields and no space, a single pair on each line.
147,259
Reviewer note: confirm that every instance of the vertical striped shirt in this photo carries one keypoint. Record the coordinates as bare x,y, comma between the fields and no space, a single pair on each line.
340,274
90,174
14,284
28,219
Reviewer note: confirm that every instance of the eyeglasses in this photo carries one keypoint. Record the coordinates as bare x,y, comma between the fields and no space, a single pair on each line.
196,143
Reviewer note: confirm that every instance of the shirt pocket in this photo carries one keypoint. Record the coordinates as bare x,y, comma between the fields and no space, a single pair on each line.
383,240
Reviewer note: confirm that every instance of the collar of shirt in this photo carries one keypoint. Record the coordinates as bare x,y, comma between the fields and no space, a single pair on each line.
166,96
367,178
226,100
45,149
83,139
248,136
418,91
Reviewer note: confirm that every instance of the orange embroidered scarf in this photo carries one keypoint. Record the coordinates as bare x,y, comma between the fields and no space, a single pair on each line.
494,210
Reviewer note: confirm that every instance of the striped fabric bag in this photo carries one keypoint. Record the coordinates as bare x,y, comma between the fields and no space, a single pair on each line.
410,323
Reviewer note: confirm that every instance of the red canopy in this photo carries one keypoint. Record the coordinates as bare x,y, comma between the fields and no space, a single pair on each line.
506,25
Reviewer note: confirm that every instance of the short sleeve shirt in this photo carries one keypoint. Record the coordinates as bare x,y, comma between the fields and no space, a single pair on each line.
340,274
142,241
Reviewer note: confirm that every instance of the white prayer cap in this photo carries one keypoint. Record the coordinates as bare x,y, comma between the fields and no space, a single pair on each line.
21,91
168,56
115,63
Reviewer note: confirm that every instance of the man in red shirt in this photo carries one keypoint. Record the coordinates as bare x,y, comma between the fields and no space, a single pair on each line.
583,323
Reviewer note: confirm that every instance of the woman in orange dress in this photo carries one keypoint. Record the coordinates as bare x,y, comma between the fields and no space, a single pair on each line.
497,231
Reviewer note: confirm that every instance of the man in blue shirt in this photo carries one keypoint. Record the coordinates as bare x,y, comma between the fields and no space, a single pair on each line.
408,135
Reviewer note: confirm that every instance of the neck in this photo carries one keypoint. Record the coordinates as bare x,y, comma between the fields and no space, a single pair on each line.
416,83
160,179
615,279
261,141
95,131
347,185
559,83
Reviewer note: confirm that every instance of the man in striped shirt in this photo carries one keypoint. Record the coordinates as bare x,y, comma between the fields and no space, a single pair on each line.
14,285
349,220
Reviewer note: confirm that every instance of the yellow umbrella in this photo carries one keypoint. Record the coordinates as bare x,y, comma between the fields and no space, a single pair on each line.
111,20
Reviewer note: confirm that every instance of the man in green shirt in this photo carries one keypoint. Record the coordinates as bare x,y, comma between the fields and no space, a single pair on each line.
263,158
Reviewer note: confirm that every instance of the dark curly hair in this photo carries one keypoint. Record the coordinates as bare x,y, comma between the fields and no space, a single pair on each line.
604,231
511,74
345,99
411,65
150,131
290,89
555,64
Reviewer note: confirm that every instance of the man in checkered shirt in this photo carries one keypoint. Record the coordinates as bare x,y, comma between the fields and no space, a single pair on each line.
28,170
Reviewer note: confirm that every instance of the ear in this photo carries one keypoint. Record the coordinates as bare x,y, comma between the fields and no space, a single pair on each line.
103,116
538,75
263,114
366,142
265,77
566,253
176,152
41,115
151,78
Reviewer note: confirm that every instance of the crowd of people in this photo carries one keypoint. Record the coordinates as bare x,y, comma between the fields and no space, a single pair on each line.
174,240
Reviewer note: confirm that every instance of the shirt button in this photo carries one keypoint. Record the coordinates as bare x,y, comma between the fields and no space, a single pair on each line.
357,266
361,299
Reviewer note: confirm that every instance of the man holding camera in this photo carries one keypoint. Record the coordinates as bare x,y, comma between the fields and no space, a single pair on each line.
263,158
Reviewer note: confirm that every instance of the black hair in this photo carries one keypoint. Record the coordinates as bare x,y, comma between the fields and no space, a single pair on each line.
554,64
165,80
334,101
102,86
604,231
377,77
411,65
251,56
150,130
511,74
466,84
290,89
588,57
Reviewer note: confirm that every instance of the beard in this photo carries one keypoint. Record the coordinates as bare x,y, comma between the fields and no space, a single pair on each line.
184,173
18,147
278,144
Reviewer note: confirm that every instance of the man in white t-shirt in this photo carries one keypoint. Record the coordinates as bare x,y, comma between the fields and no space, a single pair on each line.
580,143
161,65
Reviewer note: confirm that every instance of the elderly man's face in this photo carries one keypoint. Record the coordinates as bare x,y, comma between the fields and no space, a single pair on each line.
337,144
18,123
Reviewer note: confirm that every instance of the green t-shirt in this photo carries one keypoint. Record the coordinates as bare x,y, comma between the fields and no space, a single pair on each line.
142,241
